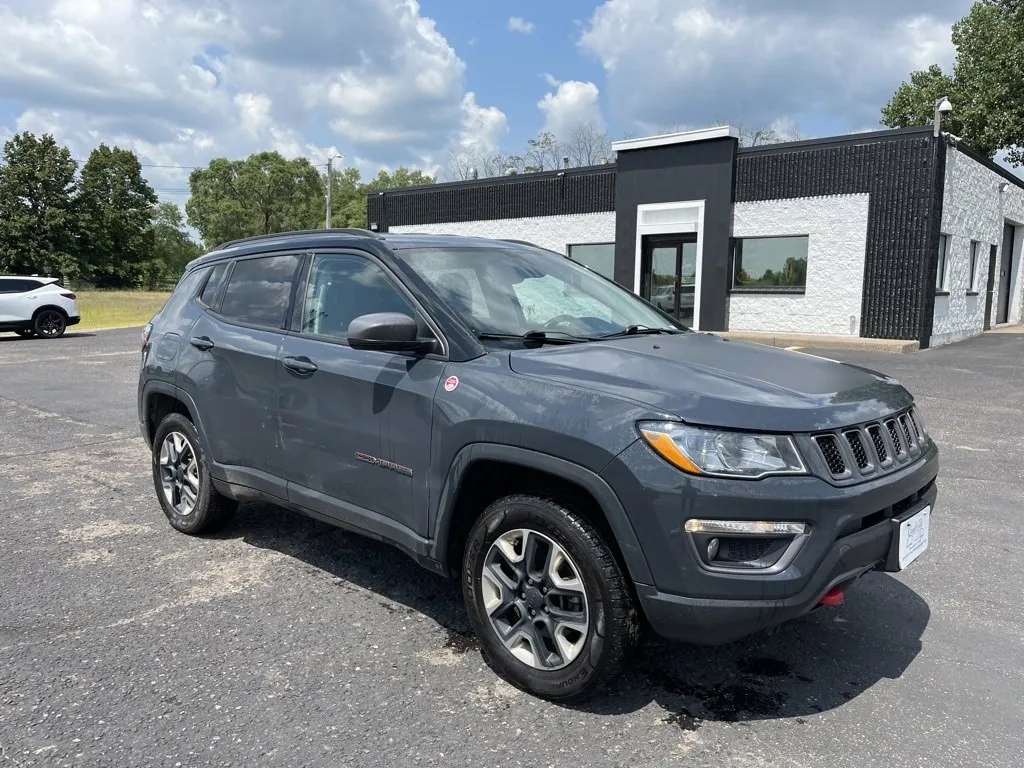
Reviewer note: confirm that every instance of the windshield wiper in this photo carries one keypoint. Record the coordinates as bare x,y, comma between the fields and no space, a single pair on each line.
544,337
639,330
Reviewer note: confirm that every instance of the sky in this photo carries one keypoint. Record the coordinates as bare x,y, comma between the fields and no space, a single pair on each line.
398,82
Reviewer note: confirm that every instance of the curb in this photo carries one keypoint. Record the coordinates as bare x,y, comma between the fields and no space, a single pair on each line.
893,346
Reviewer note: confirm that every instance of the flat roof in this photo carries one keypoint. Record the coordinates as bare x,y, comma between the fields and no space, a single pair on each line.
683,137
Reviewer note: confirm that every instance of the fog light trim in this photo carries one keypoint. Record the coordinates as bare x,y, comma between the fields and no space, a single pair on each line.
745,527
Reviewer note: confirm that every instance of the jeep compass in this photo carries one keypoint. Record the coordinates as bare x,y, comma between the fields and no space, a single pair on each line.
585,465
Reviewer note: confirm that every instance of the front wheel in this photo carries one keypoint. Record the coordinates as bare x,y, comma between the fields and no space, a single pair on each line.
547,598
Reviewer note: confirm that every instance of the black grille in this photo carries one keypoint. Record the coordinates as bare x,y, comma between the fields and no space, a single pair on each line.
857,446
894,435
878,441
911,438
873,448
829,447
917,427
743,550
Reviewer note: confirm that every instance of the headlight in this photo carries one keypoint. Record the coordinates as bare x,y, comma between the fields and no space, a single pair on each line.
702,451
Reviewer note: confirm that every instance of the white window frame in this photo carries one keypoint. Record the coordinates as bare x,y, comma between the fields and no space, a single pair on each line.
972,278
941,275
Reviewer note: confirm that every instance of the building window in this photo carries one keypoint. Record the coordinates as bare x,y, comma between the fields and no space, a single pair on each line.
774,264
600,257
972,277
940,273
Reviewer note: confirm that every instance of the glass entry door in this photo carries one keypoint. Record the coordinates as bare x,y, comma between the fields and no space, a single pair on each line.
668,276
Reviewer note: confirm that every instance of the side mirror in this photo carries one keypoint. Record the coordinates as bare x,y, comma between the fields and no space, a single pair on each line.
388,332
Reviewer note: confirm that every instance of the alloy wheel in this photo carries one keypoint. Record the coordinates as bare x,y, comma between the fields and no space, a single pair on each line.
50,323
535,599
179,473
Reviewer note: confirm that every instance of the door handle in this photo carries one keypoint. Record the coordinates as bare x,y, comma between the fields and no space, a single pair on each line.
201,342
300,365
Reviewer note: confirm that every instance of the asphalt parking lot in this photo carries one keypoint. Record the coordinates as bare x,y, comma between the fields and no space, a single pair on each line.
283,641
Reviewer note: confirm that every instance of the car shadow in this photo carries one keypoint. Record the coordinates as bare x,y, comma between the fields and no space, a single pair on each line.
7,337
807,666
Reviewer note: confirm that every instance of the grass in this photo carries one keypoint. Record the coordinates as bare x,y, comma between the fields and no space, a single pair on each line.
117,309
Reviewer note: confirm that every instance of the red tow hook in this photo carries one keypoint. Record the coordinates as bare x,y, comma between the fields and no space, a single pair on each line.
833,597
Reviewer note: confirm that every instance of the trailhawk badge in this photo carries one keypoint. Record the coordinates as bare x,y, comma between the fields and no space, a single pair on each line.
451,383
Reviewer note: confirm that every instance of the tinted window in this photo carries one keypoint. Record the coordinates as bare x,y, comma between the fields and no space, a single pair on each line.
259,291
343,287
18,286
600,257
771,263
183,292
213,285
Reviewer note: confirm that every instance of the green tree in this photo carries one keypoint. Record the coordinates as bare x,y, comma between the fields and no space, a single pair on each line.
38,212
986,87
400,177
348,201
116,203
173,248
262,194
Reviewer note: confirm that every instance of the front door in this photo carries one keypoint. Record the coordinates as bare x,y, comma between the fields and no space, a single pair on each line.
1005,268
355,424
669,274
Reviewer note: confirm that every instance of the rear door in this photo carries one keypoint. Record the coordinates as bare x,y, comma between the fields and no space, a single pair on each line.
355,424
15,304
228,368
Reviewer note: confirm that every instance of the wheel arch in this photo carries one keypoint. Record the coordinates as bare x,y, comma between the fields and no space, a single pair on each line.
43,308
159,399
482,473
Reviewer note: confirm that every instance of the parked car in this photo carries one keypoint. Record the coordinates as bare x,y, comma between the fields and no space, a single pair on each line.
585,467
36,306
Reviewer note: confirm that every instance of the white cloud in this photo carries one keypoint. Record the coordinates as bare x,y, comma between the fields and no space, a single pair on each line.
181,81
673,62
573,103
551,80
519,24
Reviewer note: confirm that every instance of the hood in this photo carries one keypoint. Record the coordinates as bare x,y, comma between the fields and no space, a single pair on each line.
704,379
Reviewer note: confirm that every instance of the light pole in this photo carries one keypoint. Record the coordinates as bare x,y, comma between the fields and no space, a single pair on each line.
330,186
942,107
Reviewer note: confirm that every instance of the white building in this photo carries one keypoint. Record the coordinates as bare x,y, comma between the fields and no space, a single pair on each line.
893,234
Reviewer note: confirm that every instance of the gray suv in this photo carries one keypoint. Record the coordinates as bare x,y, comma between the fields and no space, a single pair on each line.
582,463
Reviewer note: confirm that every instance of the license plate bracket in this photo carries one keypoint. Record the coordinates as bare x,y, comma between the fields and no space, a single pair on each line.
909,539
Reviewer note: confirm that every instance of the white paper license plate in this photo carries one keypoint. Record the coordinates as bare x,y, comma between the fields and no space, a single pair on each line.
914,537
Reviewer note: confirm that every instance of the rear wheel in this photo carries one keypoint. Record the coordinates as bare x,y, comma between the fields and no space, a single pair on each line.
547,598
50,324
181,476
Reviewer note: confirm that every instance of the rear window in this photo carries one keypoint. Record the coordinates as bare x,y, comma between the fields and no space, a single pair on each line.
259,291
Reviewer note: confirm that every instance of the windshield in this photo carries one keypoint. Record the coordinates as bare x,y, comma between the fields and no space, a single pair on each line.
514,290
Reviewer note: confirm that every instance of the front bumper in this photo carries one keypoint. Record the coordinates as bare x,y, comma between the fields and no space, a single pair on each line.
851,532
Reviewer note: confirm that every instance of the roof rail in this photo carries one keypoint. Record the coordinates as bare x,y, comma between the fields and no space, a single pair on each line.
273,235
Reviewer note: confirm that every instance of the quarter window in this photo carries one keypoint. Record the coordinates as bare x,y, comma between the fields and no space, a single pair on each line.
259,291
600,257
342,287
771,264
213,285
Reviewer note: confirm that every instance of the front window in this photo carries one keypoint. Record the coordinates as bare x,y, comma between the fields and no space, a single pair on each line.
600,257
771,264
514,290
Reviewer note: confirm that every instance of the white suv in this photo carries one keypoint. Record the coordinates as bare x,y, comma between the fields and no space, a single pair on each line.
36,306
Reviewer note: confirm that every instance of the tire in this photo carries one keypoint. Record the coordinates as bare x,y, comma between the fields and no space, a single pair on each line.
26,334
572,662
50,324
181,477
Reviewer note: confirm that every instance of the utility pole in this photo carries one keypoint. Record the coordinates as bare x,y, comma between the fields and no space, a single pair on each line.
330,186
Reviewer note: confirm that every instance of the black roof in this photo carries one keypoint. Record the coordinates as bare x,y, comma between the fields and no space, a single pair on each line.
327,238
